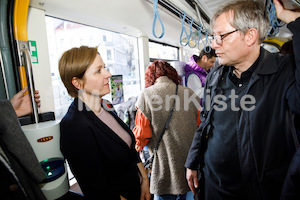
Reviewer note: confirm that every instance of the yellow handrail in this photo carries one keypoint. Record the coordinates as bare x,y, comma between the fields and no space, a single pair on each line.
20,19
20,31
276,41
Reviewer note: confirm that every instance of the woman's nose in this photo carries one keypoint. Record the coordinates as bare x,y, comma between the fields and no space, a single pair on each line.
108,74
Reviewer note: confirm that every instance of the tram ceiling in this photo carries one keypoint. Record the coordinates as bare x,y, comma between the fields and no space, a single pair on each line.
133,17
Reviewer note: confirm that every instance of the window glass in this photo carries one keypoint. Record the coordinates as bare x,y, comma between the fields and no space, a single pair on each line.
189,52
108,55
119,52
162,51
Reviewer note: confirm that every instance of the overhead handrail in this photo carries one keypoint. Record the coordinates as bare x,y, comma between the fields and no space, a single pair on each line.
183,30
273,21
192,35
156,16
199,16
184,18
199,36
204,30
205,43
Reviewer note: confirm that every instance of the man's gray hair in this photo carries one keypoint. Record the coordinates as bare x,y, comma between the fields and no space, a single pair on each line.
246,14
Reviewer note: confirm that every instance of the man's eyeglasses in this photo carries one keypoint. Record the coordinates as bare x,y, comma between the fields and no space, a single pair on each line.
219,38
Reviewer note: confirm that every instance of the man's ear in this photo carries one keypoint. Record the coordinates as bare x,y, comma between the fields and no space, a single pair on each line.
252,36
204,58
78,83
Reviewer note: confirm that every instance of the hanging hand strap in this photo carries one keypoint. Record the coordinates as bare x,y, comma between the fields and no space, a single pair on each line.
167,123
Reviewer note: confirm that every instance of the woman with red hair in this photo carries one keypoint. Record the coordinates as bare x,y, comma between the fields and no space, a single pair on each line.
154,104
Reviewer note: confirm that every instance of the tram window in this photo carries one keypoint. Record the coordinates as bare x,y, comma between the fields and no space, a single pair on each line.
108,54
189,52
162,51
119,52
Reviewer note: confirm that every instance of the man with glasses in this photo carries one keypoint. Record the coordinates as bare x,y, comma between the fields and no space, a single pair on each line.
243,152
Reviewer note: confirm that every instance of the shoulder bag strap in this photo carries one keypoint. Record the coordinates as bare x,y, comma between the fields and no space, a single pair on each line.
167,123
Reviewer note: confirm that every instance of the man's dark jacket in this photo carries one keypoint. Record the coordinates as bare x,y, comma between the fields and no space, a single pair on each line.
20,155
291,184
266,137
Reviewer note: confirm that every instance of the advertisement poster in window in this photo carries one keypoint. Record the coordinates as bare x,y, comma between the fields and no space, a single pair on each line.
116,82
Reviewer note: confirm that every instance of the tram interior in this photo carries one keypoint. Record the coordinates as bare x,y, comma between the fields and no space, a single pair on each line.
129,34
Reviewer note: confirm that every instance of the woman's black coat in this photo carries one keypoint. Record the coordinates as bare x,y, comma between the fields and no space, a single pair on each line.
103,164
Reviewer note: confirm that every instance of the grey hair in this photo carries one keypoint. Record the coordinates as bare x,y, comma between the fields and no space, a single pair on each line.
246,14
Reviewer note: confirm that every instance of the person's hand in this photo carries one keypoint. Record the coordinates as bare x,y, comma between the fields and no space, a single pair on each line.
145,185
22,103
285,15
145,191
192,179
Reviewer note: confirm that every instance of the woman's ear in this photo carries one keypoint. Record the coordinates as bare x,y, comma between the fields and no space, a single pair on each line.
78,83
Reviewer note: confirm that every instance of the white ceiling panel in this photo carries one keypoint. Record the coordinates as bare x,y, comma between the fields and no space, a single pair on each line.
131,17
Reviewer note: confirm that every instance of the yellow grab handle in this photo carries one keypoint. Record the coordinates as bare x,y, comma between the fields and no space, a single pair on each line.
22,73
20,31
20,19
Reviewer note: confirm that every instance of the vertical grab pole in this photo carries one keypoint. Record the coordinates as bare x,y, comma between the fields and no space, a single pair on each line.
20,31
25,54
6,51
4,76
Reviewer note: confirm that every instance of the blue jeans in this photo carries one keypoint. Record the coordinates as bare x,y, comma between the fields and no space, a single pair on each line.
187,196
